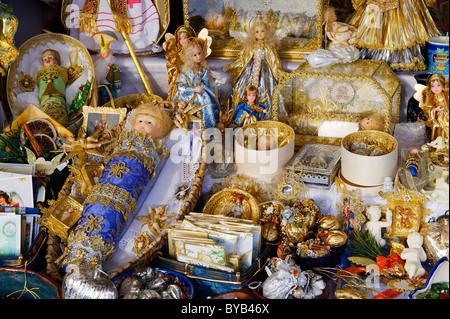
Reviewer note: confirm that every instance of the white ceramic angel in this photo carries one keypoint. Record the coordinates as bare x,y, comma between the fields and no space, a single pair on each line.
414,255
258,63
374,225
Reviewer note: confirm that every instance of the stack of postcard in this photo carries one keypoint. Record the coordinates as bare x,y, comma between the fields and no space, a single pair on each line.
18,217
215,241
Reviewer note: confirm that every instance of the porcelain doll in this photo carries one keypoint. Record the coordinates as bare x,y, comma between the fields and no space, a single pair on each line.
258,64
414,255
129,167
374,225
249,111
52,79
196,85
393,31
434,103
106,71
372,122
174,47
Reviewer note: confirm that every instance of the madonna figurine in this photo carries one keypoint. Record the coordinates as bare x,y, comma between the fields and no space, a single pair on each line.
196,85
128,169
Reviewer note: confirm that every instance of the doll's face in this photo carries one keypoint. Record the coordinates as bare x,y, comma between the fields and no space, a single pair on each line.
436,87
197,55
49,58
145,123
183,39
366,123
251,97
260,32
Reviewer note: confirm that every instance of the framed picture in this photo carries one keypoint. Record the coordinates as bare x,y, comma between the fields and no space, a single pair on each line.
91,173
101,120
223,18
16,190
61,216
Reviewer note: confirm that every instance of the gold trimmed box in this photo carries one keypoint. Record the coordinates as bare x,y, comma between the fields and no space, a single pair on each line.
224,17
318,164
343,92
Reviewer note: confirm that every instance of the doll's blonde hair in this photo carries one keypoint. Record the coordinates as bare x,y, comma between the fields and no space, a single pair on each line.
186,56
428,95
161,116
250,89
270,38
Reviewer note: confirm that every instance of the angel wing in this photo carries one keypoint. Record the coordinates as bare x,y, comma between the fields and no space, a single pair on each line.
169,37
240,36
203,35
418,95
54,163
283,32
31,157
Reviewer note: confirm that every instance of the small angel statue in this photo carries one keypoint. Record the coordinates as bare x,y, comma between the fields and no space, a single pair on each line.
258,63
374,225
414,255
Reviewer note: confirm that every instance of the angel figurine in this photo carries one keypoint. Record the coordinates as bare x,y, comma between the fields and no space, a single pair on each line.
433,100
174,46
393,31
130,165
258,63
249,111
195,83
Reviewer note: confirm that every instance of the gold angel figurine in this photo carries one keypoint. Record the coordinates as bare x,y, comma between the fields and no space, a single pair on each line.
393,31
156,219
433,100
174,46
258,62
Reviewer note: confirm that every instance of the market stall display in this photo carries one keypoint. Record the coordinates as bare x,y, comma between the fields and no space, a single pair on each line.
315,189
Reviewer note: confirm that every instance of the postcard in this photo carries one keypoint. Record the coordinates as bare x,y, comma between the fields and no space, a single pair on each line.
10,234
174,233
213,254
15,168
199,262
16,191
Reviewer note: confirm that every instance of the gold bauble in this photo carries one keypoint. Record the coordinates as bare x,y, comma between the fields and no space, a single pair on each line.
329,222
271,231
348,293
335,238
296,232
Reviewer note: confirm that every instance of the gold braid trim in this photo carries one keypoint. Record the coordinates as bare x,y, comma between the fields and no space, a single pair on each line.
85,250
109,195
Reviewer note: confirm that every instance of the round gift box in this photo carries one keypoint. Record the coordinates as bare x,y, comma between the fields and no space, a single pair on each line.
369,170
263,164
364,190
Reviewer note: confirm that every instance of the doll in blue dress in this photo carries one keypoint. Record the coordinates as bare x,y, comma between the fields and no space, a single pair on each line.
249,111
195,83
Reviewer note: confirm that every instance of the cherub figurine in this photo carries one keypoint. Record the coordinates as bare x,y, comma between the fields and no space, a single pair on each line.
258,63
374,225
249,111
52,79
414,255
433,100
174,47
129,166
339,33
195,83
